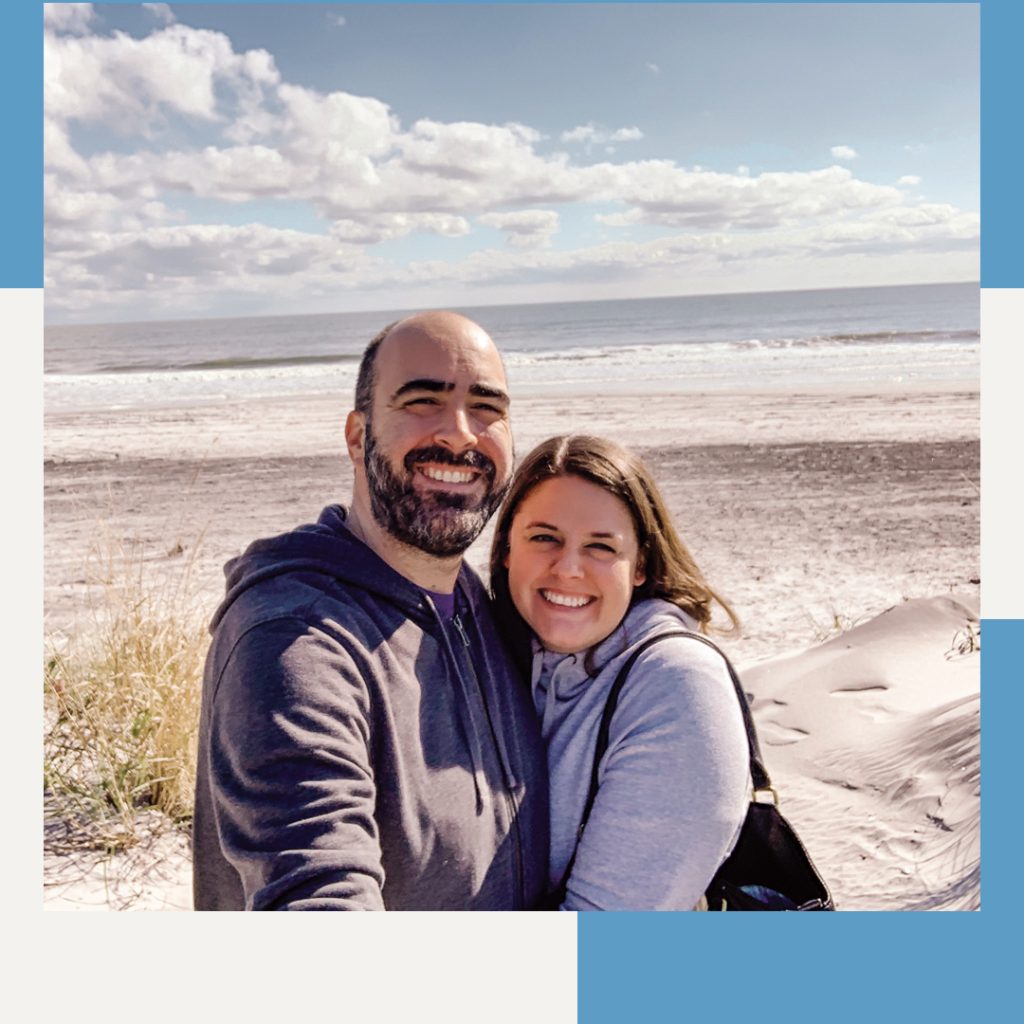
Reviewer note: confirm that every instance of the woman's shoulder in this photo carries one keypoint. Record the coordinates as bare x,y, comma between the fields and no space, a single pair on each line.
671,666
660,627
675,658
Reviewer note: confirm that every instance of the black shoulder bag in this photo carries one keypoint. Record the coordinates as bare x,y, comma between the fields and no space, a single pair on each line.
768,869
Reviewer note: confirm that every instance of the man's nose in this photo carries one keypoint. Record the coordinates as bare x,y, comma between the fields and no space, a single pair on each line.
455,431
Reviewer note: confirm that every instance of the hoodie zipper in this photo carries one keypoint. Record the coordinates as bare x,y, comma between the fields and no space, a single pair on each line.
461,631
511,806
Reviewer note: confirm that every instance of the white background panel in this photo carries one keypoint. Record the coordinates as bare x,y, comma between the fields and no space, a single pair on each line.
1002,462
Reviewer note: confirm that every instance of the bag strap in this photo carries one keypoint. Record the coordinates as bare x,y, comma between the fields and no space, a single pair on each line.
758,772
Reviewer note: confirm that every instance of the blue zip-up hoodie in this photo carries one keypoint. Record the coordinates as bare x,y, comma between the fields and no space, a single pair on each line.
355,751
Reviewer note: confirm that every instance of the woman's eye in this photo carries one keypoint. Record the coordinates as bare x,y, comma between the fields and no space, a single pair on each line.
541,538
597,546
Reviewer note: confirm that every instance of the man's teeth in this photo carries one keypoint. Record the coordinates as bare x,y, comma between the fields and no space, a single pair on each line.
448,476
565,599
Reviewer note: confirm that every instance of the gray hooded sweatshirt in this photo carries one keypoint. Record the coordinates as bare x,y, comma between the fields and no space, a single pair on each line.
674,784
357,752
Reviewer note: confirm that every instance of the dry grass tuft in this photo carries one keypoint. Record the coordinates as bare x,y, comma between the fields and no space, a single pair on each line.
833,625
122,699
965,641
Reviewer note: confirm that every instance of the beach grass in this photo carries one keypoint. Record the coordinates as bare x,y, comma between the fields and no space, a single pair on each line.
121,698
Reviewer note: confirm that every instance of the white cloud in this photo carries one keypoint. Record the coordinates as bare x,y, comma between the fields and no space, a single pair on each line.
843,153
909,179
653,68
337,133
468,151
71,18
337,20
184,267
114,220
59,154
658,192
525,228
591,134
384,227
932,227
162,12
129,84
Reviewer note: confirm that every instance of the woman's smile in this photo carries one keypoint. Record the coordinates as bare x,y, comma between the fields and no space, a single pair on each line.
565,600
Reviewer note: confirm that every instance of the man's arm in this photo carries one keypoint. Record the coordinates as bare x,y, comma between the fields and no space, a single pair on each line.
290,774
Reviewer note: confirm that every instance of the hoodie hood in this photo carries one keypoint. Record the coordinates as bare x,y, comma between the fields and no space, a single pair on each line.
326,547
558,678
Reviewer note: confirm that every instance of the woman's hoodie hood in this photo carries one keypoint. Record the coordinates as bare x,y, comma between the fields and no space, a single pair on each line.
558,678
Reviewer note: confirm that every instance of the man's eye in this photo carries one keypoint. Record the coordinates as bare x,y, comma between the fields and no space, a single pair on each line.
492,410
426,400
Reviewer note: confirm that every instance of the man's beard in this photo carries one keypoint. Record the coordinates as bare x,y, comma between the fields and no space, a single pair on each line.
439,523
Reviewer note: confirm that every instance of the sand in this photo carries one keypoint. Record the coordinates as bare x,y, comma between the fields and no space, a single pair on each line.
814,514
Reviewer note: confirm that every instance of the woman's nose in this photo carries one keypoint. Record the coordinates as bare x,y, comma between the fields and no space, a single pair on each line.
568,564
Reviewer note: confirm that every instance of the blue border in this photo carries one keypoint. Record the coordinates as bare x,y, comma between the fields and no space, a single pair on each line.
650,968
1002,85
21,85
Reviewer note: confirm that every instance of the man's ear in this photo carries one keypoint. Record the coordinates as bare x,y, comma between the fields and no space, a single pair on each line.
355,433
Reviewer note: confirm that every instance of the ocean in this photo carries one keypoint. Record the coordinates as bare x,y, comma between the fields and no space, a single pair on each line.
905,335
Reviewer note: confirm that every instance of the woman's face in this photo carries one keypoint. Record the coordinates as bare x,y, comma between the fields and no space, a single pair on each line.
572,563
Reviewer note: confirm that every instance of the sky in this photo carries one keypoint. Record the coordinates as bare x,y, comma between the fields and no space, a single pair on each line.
252,159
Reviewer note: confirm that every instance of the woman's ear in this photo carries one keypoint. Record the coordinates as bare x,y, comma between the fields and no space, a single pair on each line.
639,575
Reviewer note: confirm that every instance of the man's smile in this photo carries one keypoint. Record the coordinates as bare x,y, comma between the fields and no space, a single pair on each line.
448,474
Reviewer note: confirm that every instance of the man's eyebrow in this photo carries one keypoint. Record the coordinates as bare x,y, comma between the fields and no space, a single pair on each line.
423,384
440,386
485,391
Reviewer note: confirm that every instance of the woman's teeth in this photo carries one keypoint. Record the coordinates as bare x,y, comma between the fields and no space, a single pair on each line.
566,600
448,476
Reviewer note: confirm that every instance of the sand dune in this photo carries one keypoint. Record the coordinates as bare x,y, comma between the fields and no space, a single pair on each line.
873,738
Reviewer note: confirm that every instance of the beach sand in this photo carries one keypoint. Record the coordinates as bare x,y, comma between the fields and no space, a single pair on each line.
812,513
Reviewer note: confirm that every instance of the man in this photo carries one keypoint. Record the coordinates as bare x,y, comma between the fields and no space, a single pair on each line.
364,742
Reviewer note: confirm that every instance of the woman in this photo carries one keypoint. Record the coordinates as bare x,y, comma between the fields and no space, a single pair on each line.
585,564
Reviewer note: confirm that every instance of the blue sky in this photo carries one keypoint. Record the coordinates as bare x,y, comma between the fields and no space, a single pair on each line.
260,159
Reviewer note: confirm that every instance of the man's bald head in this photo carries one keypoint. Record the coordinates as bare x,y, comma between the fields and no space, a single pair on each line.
437,324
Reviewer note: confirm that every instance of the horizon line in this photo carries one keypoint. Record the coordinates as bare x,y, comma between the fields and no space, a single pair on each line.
505,305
